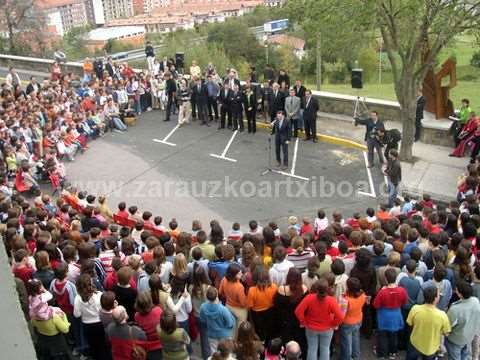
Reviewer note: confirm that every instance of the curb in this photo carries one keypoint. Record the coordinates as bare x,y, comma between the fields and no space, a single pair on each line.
325,138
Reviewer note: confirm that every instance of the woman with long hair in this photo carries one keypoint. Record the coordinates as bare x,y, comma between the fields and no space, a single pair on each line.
87,306
198,293
233,291
174,339
319,314
248,345
260,302
147,317
350,328
164,266
287,298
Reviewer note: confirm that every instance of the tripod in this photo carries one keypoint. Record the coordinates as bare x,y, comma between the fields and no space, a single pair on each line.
359,107
268,168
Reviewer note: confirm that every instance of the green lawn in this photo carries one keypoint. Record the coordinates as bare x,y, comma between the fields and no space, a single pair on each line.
468,78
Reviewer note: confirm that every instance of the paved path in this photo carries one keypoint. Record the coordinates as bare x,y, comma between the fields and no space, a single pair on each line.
433,171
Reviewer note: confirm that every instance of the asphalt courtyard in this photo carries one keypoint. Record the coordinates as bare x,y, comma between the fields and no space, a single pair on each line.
199,172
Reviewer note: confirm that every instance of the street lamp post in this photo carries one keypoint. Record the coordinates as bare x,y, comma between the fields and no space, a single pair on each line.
266,52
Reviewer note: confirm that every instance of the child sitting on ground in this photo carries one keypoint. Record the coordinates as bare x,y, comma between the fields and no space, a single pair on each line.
274,349
235,233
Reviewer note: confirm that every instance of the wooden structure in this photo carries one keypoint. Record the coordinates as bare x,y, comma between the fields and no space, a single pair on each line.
436,91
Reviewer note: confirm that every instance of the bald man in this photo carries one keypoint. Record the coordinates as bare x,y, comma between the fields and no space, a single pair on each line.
120,333
292,351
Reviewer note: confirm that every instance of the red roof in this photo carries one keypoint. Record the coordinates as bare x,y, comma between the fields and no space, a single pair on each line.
282,39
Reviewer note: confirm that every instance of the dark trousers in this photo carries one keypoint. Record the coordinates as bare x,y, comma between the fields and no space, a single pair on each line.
212,108
311,128
225,112
170,105
237,119
53,347
194,109
263,323
372,145
251,120
418,129
387,343
284,147
294,126
202,113
96,340
476,148
414,354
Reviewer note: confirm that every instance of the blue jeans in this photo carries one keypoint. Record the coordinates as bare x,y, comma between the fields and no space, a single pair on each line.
457,352
318,340
204,344
392,193
350,341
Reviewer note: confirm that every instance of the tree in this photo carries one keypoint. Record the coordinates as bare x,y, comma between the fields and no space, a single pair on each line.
237,40
408,28
74,42
19,19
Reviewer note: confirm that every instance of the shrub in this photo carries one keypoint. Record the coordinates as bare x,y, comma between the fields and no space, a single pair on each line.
475,60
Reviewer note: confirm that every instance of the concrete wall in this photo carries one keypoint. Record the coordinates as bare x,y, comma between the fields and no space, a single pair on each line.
345,104
16,339
37,64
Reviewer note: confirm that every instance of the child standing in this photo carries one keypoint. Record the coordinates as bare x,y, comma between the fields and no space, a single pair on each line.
350,329
389,302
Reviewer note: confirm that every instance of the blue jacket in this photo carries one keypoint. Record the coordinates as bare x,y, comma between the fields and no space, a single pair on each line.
218,319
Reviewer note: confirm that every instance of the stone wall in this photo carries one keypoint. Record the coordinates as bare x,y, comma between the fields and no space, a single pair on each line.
37,64
345,104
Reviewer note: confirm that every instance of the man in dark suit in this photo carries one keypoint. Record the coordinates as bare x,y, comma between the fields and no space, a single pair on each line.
419,114
310,116
373,128
200,96
236,103
300,92
98,67
225,109
250,105
281,130
171,91
277,101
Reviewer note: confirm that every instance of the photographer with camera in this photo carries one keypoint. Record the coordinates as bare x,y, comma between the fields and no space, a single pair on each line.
373,126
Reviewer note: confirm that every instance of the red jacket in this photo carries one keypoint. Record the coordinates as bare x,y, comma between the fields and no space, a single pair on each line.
319,315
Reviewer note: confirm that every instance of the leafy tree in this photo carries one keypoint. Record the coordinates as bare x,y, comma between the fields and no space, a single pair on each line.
20,19
408,28
235,37
74,42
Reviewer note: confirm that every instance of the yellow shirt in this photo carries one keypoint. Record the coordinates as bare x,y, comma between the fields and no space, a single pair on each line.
52,326
429,324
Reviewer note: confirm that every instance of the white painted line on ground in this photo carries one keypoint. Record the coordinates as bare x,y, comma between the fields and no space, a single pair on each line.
294,160
164,140
291,175
222,156
372,192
